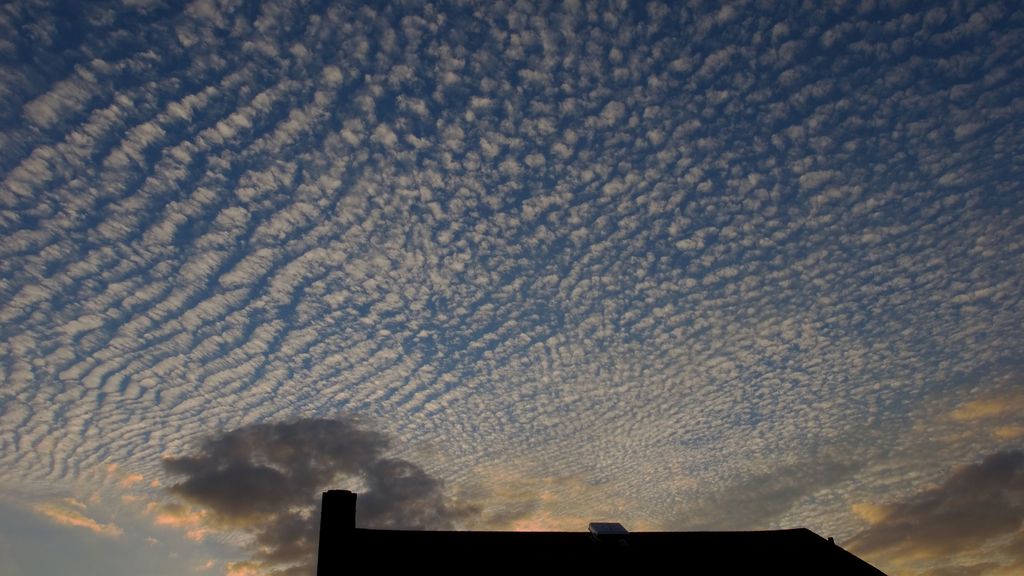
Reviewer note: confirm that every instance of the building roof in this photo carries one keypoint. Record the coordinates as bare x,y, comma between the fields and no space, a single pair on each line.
797,551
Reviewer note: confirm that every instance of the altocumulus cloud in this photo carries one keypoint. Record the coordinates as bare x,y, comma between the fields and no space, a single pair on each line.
761,499
977,511
621,255
265,480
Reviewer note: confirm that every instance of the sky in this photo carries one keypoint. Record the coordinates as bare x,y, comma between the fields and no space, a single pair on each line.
509,265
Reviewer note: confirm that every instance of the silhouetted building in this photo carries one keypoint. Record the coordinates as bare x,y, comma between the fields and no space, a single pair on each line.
606,548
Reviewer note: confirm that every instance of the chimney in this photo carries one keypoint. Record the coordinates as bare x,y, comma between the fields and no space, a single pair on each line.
337,520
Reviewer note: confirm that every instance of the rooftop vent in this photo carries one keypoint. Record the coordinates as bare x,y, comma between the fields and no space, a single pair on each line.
608,532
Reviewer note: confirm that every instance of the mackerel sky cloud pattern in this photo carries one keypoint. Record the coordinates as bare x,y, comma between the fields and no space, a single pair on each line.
733,266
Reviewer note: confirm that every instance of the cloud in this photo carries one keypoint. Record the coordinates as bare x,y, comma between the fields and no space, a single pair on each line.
994,413
266,479
130,480
71,512
977,507
519,497
989,408
759,500
626,251
193,521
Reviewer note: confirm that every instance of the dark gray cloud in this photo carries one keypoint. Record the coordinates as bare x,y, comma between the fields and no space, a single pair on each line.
974,507
265,479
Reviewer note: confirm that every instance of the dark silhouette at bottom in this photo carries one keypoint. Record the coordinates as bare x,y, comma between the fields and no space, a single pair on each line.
606,547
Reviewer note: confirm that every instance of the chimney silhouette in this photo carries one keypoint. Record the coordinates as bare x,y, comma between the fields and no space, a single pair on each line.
337,520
